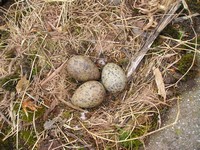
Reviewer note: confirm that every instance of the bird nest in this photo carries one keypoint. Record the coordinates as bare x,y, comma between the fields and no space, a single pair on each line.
36,88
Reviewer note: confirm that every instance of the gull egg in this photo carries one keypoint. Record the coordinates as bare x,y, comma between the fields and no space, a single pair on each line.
113,78
82,68
89,94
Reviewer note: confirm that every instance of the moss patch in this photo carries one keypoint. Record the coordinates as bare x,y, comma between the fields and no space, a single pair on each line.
9,82
27,136
126,135
185,63
8,143
171,31
39,113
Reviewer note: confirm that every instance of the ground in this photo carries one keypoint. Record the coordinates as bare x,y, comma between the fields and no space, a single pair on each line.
38,37
184,134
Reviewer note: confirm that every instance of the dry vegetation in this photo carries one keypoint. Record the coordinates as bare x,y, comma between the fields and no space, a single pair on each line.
35,88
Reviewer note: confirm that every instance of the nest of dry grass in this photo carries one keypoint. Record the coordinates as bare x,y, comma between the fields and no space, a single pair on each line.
44,34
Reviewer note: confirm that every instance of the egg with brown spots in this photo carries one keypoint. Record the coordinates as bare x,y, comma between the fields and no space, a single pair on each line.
89,94
82,68
113,78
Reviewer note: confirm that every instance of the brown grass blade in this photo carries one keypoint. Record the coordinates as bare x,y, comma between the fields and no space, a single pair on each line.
159,82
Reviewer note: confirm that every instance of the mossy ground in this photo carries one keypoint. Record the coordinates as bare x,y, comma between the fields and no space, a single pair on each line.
9,82
133,144
188,62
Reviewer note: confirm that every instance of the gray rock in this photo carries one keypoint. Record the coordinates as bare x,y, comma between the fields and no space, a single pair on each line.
185,134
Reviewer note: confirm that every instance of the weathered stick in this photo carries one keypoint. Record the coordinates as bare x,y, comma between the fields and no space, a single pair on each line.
168,17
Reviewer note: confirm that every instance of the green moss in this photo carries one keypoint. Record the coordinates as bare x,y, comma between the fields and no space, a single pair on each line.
135,11
185,63
9,82
154,122
27,137
108,148
66,114
133,144
158,41
123,62
9,143
187,59
39,113
172,32
36,70
81,149
198,40
77,30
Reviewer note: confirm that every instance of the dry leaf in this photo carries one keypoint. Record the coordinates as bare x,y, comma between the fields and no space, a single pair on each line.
30,105
159,82
22,84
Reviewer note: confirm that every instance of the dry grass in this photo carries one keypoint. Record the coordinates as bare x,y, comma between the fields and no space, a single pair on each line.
43,35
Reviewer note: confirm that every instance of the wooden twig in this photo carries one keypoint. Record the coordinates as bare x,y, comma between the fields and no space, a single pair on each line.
168,17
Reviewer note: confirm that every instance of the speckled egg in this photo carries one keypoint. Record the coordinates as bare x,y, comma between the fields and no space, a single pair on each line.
89,94
82,68
113,78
